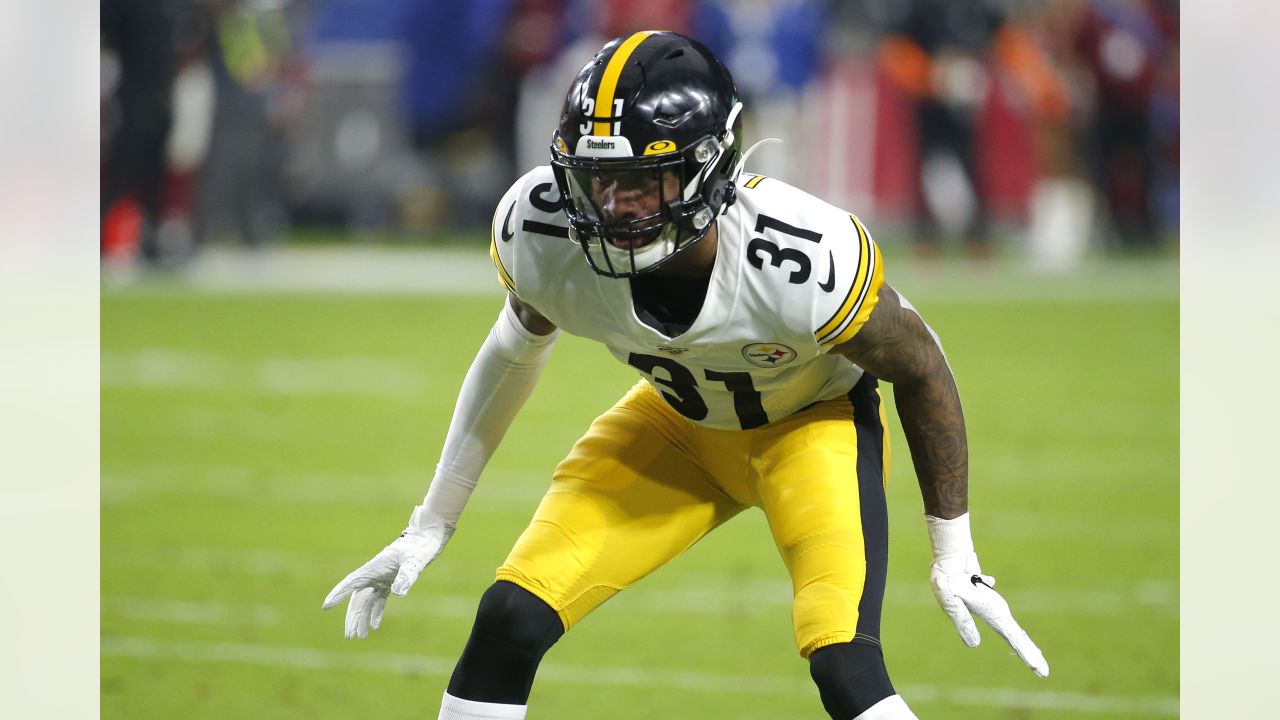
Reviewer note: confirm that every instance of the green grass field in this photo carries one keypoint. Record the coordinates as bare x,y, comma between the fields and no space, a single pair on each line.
257,446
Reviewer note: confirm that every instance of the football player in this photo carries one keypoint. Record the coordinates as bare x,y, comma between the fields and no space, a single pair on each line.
760,322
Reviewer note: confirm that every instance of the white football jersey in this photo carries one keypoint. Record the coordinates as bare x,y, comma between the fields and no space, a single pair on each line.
793,277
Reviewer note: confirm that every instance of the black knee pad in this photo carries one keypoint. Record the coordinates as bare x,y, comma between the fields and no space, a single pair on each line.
851,677
512,631
518,619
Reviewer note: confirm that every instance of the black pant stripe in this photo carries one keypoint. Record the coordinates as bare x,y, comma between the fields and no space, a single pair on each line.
872,504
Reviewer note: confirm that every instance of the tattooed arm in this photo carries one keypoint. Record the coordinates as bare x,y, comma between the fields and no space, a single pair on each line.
896,346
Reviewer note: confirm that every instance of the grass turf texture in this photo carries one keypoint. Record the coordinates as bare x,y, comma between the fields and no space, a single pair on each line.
257,447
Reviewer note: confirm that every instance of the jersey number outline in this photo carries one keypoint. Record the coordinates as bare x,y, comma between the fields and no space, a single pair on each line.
777,256
589,106
684,397
538,199
759,247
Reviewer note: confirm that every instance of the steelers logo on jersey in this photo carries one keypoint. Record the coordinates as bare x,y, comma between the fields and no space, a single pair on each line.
768,355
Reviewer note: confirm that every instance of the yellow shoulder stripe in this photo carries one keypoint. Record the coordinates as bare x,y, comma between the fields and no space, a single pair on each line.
609,80
755,181
862,297
503,275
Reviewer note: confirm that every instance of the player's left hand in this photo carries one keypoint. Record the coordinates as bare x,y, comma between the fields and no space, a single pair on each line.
964,591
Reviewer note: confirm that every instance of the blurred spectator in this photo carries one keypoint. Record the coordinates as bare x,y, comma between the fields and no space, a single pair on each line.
774,48
1127,48
939,52
535,36
538,36
413,111
567,32
415,114
459,97
1165,123
1060,205
248,47
350,159
140,34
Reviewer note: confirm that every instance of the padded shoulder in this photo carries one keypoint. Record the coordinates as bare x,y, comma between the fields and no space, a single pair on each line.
836,267
529,215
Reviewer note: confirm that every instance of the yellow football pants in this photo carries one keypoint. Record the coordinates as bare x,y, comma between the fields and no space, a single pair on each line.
644,484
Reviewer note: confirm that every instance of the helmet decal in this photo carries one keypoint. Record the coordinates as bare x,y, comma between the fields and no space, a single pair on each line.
660,147
605,100
607,147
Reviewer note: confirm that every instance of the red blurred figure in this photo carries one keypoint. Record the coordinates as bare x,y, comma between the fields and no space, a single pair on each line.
1125,46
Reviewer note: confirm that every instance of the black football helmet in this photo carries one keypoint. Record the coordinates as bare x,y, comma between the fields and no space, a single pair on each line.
647,150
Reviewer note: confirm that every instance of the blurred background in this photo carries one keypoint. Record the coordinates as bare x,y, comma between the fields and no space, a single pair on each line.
1045,131
293,236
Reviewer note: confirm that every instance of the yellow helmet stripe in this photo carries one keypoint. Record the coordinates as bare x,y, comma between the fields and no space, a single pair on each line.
609,81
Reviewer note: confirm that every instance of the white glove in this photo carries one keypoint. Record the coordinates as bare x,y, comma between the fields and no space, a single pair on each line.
961,589
394,570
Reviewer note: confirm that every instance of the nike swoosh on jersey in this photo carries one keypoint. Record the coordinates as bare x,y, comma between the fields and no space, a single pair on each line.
830,284
507,233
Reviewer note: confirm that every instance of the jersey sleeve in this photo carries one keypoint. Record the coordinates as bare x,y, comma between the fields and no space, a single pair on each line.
501,231
840,318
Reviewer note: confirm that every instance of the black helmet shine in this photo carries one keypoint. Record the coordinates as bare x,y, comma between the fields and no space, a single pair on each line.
647,150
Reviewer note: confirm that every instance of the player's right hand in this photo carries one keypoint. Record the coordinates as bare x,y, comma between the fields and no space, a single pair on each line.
394,570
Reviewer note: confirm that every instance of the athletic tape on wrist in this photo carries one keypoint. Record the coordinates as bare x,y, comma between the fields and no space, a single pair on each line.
949,537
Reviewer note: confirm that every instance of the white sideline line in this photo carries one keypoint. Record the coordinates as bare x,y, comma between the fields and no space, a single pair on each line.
289,376
191,612
504,487
696,595
315,659
184,612
766,598
463,607
360,491
436,271
233,480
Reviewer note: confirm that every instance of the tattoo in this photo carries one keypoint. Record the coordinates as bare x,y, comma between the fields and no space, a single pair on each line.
896,346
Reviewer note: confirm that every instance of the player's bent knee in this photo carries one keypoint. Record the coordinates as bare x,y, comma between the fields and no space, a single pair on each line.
513,630
517,619
851,677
